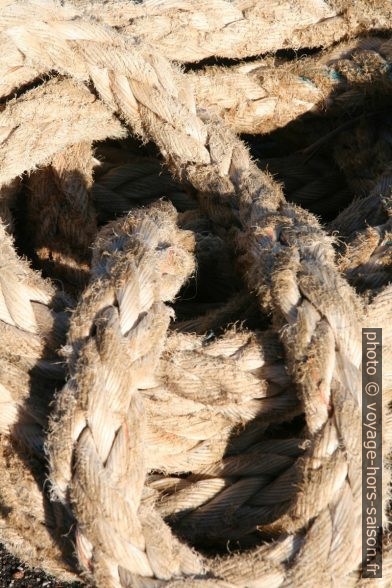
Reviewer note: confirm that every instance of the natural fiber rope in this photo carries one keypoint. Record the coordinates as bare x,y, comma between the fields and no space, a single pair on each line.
61,216
142,259
144,231
32,527
260,96
219,373
18,505
294,254
192,30
97,458
31,331
33,321
135,182
46,120
214,388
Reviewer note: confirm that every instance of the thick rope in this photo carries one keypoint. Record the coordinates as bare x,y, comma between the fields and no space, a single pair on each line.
46,120
210,389
194,30
289,248
365,229
260,96
201,29
138,181
139,264
61,223
33,320
288,261
32,324
129,256
235,409
32,527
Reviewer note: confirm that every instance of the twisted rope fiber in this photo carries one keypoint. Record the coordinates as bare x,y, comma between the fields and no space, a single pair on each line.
317,183
138,181
294,254
260,96
360,79
68,113
52,101
29,504
134,261
33,321
61,216
192,30
135,275
213,388
313,321
252,97
212,374
367,258
328,174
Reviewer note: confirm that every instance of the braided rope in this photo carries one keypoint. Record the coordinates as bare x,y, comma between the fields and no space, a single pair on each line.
32,329
365,228
260,96
303,288
191,30
289,262
61,223
67,112
139,263
33,322
138,181
123,265
210,388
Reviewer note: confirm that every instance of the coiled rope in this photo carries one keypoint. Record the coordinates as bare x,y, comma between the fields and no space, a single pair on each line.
160,440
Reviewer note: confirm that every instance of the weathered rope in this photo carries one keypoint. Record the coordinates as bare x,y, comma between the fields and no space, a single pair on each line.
142,259
105,432
61,223
128,253
367,260
137,181
194,30
215,388
364,154
260,96
287,246
18,506
33,321
32,527
69,113
365,228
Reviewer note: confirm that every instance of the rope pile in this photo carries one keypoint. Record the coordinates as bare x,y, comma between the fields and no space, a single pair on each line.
181,308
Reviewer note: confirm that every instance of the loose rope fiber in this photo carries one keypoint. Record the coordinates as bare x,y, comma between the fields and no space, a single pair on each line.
191,30
259,96
33,322
60,196
222,447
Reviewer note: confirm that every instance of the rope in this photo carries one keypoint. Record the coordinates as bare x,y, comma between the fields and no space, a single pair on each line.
190,31
61,216
293,264
33,321
164,438
135,260
69,113
260,96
